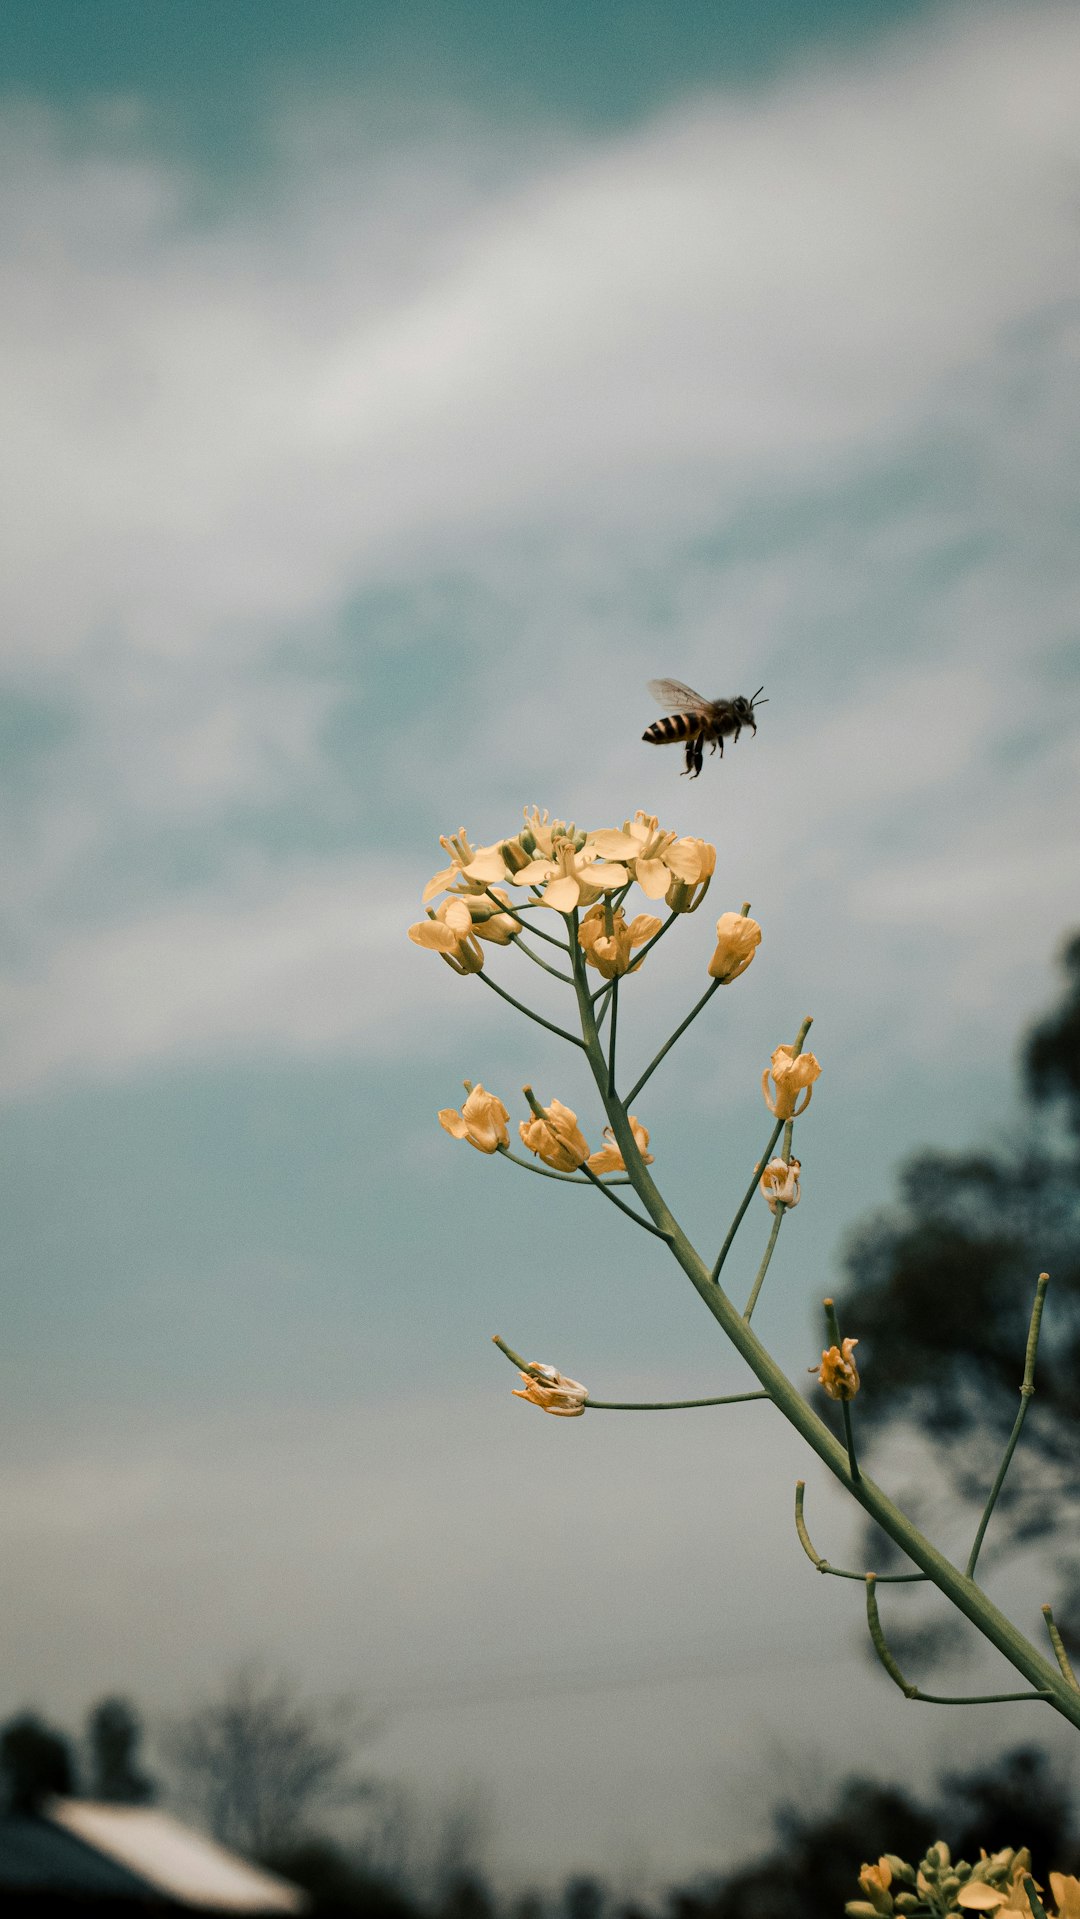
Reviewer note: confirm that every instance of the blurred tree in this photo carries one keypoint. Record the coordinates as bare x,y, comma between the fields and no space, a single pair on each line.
113,1736
35,1762
259,1762
940,1293
339,1885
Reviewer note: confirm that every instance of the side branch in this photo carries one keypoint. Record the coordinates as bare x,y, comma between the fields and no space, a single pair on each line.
633,1405
838,1572
1027,1389
913,1692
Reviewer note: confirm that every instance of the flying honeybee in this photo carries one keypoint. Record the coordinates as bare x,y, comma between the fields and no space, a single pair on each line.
697,721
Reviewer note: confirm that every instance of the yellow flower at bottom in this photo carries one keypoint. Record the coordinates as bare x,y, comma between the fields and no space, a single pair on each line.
875,1882
792,1073
555,1138
1066,1891
553,1392
737,940
610,952
838,1372
482,1120
609,1159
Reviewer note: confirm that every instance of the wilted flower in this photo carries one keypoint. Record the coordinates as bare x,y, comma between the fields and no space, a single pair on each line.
450,933
489,921
554,1137
609,1159
482,864
792,1073
838,1372
553,1392
685,896
482,1120
657,857
779,1183
737,940
610,952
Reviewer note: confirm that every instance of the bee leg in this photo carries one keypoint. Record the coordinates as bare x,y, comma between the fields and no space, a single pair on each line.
738,730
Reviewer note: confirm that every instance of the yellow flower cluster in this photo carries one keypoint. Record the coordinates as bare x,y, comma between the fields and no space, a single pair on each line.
552,1133
569,870
994,1884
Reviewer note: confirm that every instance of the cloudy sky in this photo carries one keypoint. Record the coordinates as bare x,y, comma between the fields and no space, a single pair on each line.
390,393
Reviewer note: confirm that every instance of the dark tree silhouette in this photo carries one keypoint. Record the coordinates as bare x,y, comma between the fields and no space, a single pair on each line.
35,1762
113,1735
940,1291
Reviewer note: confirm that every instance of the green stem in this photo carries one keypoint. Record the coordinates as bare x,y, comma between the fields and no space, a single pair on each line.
548,1172
963,1593
838,1572
668,1044
611,1036
1038,1910
1027,1389
649,944
1058,1644
529,1014
781,1209
555,971
746,1198
913,1692
628,1210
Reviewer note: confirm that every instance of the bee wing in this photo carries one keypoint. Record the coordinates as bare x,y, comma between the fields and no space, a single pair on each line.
675,697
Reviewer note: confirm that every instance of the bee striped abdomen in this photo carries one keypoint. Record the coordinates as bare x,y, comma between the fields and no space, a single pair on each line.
676,726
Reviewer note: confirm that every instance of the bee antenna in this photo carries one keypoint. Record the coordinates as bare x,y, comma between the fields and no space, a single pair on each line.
754,700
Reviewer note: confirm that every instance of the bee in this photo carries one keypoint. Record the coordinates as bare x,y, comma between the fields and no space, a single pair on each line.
696,721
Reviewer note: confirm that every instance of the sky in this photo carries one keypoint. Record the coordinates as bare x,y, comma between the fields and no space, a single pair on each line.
391,392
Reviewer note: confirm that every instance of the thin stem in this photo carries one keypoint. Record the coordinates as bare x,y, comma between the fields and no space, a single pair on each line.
1058,1644
604,1010
555,971
529,1014
548,1172
912,1692
781,1209
834,1336
668,1044
611,1037
963,1593
628,1210
838,1572
746,1198
667,1405
525,906
1027,1389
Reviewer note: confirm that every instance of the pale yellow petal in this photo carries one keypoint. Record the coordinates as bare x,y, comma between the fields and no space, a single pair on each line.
976,1896
439,883
453,1122
436,936
535,873
611,844
563,893
683,858
653,878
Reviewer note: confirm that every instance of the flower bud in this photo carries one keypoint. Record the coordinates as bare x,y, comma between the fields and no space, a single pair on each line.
610,953
685,896
737,940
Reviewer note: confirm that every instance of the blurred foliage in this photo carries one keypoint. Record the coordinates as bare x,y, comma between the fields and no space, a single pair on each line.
113,1738
940,1289
35,1762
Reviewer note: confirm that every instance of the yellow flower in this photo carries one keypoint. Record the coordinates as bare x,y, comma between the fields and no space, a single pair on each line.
1066,1891
779,1183
737,940
609,1159
838,1372
610,952
685,896
792,1073
658,858
554,1137
482,1120
977,1896
553,1392
483,865
450,933
572,876
875,1882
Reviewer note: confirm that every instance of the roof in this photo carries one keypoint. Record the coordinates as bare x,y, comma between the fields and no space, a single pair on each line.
156,1853
37,1856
